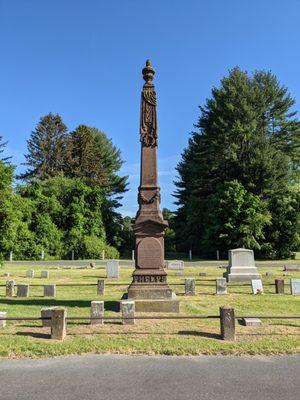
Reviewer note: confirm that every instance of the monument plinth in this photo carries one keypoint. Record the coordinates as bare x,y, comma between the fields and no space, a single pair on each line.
149,286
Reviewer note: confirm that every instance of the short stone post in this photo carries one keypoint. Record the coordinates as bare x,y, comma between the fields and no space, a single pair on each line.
6,274
23,290
279,286
227,323
190,286
3,314
128,312
10,288
30,273
97,311
101,287
49,290
58,323
221,286
45,274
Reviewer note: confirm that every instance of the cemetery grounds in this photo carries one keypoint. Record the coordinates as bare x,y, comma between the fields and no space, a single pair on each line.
170,337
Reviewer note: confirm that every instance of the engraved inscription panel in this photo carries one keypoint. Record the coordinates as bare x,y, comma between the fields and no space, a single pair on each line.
149,253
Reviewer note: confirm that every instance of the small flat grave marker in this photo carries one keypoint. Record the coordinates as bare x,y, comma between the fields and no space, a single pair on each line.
257,287
251,321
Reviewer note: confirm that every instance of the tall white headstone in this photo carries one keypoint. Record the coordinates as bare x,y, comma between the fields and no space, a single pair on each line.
241,266
112,269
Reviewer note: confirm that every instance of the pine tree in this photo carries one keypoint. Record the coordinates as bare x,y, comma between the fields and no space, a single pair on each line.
246,133
91,155
46,148
2,147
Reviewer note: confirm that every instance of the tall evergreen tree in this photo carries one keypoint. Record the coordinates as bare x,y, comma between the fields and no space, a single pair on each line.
2,147
46,149
246,133
91,155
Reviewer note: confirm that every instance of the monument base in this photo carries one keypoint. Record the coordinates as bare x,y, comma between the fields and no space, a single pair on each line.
151,293
238,276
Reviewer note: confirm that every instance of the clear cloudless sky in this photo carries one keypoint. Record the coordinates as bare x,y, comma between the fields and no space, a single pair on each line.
83,60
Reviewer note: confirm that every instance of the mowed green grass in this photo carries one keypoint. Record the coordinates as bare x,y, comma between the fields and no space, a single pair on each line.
173,337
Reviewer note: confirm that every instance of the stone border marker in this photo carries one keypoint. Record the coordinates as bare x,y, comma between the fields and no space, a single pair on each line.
190,284
221,286
58,323
97,311
44,274
50,290
3,314
10,288
128,312
23,290
227,322
279,286
101,287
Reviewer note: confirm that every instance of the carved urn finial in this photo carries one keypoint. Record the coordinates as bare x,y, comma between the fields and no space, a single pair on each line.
148,72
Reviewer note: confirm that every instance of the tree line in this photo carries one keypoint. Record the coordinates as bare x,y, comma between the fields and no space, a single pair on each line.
238,182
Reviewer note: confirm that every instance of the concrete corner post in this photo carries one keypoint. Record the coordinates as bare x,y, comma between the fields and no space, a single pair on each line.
279,286
101,287
128,312
3,314
58,324
97,311
227,323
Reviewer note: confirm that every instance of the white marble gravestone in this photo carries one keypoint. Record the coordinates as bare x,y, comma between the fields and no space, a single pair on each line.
295,286
112,269
175,264
241,266
257,287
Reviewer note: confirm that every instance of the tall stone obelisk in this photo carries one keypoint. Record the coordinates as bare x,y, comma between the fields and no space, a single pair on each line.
149,278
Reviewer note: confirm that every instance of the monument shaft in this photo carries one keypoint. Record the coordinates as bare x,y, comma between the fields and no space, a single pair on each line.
149,277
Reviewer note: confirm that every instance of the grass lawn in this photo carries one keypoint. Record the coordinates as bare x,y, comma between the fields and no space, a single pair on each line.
173,337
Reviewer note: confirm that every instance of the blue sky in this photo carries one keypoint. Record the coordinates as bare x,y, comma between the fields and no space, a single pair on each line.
83,60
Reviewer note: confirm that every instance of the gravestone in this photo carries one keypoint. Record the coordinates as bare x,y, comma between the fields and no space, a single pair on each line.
291,267
149,287
30,273
257,287
97,311
175,265
10,288
295,286
128,312
45,274
3,314
179,273
101,287
221,286
6,274
202,274
23,290
112,269
93,265
49,290
241,266
190,284
269,274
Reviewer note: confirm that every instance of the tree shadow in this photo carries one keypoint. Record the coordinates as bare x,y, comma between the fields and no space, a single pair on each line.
201,334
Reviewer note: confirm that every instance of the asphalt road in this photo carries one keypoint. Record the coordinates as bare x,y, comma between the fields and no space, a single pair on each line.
150,378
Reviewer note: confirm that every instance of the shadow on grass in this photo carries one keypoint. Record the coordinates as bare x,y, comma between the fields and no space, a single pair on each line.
181,333
36,335
44,302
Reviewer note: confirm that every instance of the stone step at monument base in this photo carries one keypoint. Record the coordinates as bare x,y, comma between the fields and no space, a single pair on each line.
171,305
241,277
243,270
